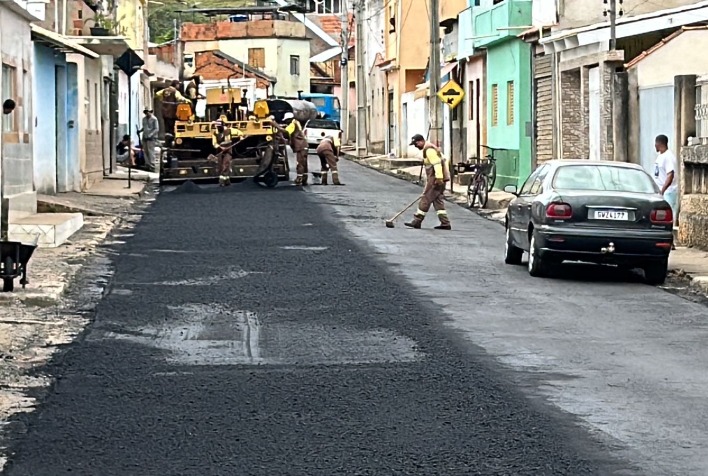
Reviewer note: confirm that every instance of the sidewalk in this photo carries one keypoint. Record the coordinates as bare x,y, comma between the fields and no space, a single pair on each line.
51,270
685,263
36,321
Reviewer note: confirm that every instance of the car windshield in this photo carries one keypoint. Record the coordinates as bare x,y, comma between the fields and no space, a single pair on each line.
604,178
322,124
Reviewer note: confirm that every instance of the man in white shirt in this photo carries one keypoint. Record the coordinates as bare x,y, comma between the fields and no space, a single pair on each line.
665,172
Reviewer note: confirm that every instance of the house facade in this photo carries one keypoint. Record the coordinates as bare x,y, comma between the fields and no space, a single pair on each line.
278,47
17,137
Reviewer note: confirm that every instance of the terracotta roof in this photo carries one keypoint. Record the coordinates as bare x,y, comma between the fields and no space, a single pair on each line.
651,50
332,25
215,65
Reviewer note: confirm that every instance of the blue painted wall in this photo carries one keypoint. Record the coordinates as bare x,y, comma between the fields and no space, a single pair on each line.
69,172
45,113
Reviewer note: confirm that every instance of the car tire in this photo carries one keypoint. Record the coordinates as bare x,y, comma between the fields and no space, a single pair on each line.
538,267
655,273
512,254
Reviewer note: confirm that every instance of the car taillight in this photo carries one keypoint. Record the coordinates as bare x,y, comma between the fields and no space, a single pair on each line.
559,211
662,216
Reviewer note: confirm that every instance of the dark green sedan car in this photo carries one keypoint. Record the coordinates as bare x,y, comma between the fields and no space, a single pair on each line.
591,211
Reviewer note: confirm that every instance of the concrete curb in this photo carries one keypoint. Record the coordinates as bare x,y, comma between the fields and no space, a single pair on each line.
458,197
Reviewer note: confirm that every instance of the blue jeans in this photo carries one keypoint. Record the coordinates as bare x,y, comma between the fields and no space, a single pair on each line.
672,198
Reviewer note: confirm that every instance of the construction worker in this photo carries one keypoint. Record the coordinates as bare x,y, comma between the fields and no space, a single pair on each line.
298,143
169,98
222,133
328,152
224,163
437,175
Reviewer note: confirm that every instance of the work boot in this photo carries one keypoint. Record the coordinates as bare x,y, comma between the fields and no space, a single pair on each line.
298,180
444,221
416,222
324,177
335,178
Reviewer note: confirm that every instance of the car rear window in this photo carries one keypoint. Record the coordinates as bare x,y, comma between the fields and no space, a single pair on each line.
604,178
321,124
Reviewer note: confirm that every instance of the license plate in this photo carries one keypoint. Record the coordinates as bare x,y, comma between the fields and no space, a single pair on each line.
610,215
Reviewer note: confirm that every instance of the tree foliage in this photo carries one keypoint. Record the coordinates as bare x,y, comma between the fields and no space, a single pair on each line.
161,17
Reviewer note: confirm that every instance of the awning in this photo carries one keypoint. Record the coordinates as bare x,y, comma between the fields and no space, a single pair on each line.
113,46
444,71
627,27
57,41
447,69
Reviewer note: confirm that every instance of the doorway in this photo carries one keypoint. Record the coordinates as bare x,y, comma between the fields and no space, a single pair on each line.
391,126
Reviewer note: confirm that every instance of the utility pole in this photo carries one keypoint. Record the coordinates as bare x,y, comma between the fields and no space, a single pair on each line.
360,82
434,71
613,21
344,62
613,25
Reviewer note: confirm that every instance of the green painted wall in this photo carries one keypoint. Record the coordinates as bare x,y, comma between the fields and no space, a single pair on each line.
510,61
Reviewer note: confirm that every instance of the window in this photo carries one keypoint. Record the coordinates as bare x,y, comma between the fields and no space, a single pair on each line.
537,186
604,178
526,187
26,103
470,99
510,103
256,57
9,91
495,105
294,65
325,7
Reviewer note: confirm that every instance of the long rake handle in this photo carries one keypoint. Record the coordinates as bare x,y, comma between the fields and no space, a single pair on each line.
407,207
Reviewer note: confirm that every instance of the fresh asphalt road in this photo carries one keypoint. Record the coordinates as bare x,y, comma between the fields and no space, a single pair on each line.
285,332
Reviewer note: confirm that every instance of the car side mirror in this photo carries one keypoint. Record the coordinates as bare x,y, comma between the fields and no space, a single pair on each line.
511,189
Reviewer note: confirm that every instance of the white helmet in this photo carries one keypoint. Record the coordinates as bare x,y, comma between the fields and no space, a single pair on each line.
288,115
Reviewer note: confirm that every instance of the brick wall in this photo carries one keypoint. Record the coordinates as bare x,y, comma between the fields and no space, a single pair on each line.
211,67
574,123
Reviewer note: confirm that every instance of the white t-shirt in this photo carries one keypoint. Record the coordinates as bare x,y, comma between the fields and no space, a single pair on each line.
665,164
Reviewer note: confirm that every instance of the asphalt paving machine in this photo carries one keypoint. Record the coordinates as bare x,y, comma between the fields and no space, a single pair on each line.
257,155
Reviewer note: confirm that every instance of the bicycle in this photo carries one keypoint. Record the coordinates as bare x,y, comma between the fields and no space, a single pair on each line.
477,189
492,177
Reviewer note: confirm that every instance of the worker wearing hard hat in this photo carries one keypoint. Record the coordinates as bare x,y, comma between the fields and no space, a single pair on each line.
328,152
221,133
298,143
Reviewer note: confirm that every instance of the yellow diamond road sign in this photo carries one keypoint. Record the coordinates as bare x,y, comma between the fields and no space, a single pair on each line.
451,94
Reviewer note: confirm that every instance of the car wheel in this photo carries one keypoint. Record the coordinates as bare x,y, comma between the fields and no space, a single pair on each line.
512,254
538,267
655,273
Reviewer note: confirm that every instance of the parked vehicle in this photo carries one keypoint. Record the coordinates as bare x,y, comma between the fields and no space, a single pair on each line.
591,211
327,105
318,129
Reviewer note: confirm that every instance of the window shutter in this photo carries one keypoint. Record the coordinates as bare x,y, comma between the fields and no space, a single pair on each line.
510,103
495,105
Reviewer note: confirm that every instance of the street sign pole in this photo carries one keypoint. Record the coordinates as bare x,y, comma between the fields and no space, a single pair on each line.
451,94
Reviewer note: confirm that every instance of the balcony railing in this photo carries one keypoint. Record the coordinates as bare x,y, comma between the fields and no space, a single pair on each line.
498,22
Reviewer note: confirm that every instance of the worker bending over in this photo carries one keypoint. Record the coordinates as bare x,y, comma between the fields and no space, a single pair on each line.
434,193
328,152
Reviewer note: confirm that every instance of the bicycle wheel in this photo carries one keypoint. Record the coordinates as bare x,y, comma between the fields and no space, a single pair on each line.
479,194
471,193
492,175
483,192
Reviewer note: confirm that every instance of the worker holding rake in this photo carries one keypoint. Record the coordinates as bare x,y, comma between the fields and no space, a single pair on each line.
437,174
